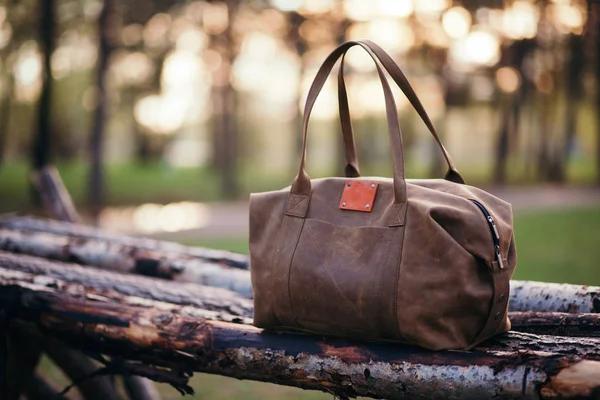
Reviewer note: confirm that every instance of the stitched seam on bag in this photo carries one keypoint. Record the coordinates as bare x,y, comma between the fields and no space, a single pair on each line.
398,272
296,201
326,264
396,218
362,253
277,254
292,199
490,322
289,283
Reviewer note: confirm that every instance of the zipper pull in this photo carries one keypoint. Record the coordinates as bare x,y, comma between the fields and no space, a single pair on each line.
499,256
493,225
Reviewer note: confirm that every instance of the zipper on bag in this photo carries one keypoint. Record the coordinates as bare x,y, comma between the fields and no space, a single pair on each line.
493,230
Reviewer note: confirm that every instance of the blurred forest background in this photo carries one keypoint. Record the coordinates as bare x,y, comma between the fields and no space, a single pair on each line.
162,115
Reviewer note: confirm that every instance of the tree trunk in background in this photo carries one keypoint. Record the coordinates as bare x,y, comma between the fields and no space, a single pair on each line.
41,146
575,66
594,32
501,155
225,132
96,180
5,110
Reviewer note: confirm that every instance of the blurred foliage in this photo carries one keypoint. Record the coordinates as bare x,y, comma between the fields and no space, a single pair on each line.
219,84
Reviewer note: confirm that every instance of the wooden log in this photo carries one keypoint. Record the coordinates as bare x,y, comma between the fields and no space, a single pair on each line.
553,323
214,302
58,204
95,247
126,258
513,365
32,224
224,305
553,297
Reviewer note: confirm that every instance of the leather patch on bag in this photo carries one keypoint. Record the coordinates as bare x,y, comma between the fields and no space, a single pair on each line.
358,195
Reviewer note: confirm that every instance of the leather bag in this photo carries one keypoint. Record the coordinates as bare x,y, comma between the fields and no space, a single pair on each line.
426,262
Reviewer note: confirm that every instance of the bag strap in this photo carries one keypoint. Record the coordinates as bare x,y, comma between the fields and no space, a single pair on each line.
398,76
301,187
351,169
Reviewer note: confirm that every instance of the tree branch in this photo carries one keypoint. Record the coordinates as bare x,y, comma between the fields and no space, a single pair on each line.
55,198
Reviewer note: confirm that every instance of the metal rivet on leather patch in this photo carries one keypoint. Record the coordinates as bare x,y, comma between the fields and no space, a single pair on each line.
497,315
367,206
372,186
349,184
344,204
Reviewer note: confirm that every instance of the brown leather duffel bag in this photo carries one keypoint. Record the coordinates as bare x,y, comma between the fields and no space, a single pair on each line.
421,261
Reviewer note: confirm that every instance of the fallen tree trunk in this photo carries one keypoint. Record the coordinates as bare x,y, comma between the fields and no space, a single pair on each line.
59,205
553,297
32,224
126,258
94,247
222,304
553,323
179,341
215,303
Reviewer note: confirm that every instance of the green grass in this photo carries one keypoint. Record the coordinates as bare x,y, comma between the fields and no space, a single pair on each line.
130,183
559,246
126,184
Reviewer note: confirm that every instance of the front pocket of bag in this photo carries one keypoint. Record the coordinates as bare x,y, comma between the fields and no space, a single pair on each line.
339,278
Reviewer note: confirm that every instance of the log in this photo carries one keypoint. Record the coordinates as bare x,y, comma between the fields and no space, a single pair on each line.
126,258
32,224
215,303
224,305
553,297
58,204
91,246
554,323
513,365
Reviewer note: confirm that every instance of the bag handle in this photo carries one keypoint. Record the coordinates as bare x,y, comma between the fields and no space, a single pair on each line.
398,76
301,187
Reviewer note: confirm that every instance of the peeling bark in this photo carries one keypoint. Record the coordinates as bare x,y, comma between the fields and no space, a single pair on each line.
553,297
552,323
76,231
513,365
125,258
216,302
86,245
